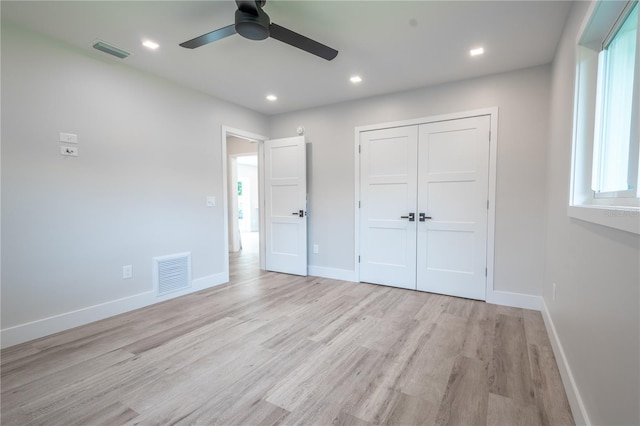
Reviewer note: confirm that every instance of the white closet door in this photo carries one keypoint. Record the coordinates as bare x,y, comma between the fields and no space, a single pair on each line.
453,193
286,205
388,176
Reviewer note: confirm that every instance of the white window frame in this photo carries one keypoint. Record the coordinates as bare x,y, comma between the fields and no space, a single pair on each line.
616,210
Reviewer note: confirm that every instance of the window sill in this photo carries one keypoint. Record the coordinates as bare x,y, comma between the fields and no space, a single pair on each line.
622,218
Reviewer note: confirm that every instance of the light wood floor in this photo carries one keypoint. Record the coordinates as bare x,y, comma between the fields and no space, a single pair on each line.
278,349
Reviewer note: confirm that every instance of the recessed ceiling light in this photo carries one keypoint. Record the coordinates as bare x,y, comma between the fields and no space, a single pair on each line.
476,52
150,44
356,79
272,98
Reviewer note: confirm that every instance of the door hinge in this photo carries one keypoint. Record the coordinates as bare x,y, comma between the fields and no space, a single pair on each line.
359,204
485,272
359,149
358,259
487,204
489,134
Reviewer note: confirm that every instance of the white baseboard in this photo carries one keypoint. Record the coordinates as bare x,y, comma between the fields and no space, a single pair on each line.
332,273
54,324
578,409
515,300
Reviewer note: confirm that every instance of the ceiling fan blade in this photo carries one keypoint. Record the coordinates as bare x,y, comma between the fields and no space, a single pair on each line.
301,42
210,37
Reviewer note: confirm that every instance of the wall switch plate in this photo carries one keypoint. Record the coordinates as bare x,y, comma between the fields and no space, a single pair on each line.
211,201
68,138
127,272
69,150
315,249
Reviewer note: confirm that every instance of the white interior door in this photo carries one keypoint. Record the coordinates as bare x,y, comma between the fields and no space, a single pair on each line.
453,196
388,177
285,186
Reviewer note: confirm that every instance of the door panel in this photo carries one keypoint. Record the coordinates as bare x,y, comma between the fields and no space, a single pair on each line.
388,172
286,194
453,191
438,169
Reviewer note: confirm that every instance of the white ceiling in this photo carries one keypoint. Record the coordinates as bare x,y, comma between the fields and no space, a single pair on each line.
393,45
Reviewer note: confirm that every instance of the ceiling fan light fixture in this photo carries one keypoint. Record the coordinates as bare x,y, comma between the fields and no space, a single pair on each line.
476,52
253,27
356,79
272,98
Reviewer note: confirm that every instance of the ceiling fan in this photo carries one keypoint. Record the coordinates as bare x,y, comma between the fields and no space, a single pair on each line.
254,23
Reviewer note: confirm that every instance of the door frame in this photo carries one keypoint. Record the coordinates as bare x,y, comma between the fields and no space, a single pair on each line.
230,131
493,155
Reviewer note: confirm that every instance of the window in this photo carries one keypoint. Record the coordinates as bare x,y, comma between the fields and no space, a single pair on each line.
614,170
605,183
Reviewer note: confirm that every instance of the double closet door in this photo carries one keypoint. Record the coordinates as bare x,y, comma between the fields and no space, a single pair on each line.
423,209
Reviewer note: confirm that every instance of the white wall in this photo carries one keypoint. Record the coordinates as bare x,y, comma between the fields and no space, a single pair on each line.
596,270
522,97
149,154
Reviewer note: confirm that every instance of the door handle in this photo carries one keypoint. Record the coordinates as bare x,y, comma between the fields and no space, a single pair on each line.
411,217
422,217
299,213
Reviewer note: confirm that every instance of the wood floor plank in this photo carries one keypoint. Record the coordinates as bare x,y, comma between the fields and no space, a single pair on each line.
434,305
114,414
384,379
479,337
551,400
510,370
54,385
504,411
535,330
411,410
344,419
270,348
244,392
466,397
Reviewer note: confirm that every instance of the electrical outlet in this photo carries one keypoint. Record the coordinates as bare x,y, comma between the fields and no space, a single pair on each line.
554,291
71,151
127,272
315,249
211,201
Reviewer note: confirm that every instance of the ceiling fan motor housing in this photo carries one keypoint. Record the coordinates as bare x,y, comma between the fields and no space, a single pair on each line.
253,27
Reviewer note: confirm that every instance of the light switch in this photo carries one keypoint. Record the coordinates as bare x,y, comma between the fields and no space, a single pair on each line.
211,201
68,138
69,150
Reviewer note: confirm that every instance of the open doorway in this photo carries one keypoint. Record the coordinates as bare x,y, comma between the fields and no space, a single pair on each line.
243,193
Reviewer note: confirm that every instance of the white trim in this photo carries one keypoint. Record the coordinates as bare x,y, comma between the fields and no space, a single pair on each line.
356,210
431,119
43,327
332,273
491,214
230,131
578,409
612,217
515,300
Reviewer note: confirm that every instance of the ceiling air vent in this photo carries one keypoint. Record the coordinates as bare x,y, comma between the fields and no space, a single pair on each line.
111,50
172,273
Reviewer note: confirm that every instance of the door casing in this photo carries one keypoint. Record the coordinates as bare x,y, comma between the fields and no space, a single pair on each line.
493,151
